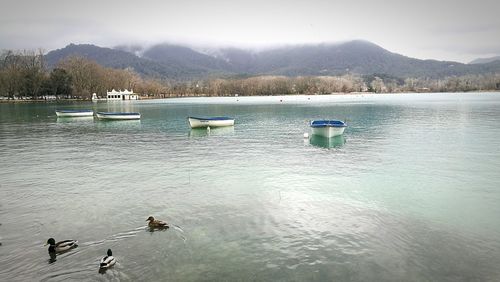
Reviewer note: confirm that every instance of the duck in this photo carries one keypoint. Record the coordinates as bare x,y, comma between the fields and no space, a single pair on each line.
107,261
155,223
61,246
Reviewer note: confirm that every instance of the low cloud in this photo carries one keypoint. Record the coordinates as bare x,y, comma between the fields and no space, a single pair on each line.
425,29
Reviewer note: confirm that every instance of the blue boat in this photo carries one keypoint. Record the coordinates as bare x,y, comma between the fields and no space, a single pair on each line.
328,128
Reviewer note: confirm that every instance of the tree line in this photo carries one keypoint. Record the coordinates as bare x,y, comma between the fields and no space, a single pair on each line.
24,75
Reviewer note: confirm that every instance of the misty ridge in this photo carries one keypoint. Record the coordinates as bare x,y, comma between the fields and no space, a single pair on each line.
180,63
168,70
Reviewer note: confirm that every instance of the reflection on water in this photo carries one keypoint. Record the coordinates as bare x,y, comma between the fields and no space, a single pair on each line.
324,142
256,203
74,119
215,131
119,106
53,257
157,229
118,124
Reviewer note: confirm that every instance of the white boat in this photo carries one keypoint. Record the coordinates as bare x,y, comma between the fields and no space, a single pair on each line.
197,122
328,128
118,115
74,113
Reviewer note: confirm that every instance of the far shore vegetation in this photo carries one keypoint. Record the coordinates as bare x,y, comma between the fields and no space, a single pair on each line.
25,76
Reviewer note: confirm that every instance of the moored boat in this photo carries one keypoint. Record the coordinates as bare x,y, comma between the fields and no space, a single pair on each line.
74,113
197,122
118,115
328,128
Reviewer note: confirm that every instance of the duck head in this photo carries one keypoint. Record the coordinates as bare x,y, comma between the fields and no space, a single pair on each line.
110,253
52,247
51,242
150,218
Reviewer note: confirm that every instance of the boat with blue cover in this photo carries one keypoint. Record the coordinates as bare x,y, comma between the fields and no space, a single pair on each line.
328,128
197,122
118,115
74,113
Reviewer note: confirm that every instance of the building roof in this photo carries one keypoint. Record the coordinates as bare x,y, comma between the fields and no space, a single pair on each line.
120,92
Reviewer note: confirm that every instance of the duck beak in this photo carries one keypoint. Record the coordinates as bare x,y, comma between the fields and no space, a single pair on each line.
45,244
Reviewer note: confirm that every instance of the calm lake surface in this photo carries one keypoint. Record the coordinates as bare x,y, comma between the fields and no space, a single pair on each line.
411,192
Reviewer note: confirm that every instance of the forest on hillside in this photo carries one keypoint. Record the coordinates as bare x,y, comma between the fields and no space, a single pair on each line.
25,75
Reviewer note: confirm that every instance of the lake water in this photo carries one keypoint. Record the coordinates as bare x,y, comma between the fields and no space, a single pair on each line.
411,192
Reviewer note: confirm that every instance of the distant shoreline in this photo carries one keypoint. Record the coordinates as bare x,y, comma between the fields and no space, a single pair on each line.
6,101
13,101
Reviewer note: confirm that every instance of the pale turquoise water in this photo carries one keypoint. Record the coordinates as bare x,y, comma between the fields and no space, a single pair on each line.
410,193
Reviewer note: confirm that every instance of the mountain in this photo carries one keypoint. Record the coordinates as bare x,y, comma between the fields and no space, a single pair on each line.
107,57
120,59
187,59
485,60
360,57
183,63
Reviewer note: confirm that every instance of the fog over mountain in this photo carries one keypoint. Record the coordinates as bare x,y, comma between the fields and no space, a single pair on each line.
176,62
426,29
485,60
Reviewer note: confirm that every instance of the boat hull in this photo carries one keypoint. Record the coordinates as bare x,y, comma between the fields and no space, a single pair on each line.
200,123
118,116
328,131
328,128
74,113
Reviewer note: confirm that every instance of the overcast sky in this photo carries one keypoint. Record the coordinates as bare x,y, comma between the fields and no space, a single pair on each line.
426,29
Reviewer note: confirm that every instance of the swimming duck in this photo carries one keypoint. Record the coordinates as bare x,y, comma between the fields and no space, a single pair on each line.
61,246
107,261
154,223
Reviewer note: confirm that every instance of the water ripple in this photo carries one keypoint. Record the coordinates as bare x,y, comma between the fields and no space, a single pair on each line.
411,195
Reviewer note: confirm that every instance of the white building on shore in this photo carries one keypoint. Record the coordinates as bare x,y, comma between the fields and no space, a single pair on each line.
121,95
